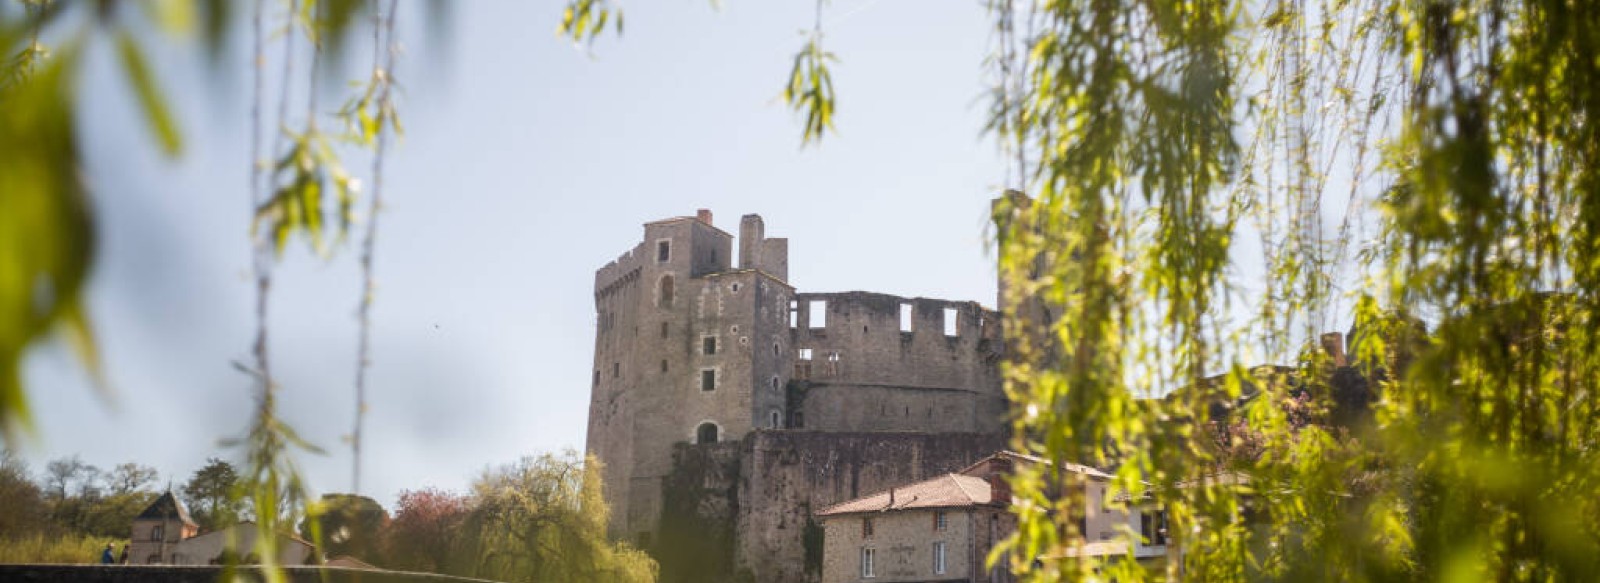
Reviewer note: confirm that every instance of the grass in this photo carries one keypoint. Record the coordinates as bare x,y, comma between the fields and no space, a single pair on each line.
65,549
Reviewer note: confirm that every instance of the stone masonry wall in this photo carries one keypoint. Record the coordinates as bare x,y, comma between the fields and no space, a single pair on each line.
788,475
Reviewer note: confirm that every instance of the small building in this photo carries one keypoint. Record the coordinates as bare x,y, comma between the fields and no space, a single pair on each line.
934,530
211,548
158,530
942,529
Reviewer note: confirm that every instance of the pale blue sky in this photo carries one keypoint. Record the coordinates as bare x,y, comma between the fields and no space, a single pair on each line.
526,165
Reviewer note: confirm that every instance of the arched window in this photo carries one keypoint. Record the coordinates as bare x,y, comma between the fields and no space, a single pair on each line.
775,420
706,433
666,290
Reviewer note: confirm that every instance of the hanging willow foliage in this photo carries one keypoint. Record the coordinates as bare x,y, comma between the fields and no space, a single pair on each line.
1465,131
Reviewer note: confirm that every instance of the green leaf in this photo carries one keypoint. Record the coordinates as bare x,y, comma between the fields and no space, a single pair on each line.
149,95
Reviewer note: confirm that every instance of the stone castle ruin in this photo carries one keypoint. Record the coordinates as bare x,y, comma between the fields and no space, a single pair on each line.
727,405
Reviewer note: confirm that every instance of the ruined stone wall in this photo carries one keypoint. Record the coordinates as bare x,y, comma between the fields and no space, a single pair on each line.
871,369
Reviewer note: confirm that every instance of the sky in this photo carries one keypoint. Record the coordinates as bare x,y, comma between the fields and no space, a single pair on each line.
526,164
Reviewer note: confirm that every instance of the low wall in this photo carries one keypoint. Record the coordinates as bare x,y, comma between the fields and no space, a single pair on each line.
206,574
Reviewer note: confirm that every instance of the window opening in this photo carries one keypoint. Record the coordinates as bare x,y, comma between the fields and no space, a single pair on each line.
666,290
663,251
805,354
950,319
775,420
938,558
708,380
819,313
155,532
866,563
597,377
941,521
663,329
663,365
708,345
706,433
799,420
775,349
616,369
905,317
774,383
794,314
866,527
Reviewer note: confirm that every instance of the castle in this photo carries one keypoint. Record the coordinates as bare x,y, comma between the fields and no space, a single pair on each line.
727,405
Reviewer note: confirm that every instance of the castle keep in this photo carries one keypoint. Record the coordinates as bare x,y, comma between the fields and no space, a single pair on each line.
726,404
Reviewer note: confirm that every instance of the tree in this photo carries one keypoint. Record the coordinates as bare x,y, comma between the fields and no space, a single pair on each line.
210,493
350,524
129,478
544,519
22,506
426,533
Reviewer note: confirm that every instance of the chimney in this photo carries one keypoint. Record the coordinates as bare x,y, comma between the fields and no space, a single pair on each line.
704,215
1333,343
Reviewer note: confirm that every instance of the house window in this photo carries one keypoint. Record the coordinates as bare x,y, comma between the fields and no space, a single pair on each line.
666,291
706,433
805,354
938,558
1153,526
819,313
663,251
708,345
663,365
616,369
866,563
866,527
950,319
708,380
155,532
941,521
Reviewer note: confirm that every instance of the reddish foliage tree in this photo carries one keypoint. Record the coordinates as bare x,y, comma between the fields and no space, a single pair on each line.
425,533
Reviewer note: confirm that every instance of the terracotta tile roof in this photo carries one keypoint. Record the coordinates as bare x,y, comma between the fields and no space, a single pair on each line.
946,491
978,468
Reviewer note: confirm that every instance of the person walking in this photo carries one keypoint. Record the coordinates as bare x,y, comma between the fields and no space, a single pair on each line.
105,556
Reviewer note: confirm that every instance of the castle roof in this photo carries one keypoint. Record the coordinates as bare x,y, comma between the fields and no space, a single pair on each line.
166,507
946,491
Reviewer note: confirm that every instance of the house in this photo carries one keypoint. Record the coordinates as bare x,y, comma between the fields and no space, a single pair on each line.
942,529
934,530
158,530
210,548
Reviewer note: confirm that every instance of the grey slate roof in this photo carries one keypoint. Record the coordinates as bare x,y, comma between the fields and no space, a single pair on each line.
166,507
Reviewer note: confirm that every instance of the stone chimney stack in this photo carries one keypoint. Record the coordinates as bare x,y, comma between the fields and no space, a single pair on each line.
704,215
1333,343
752,231
999,488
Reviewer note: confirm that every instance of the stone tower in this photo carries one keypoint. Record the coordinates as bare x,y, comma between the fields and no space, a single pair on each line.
688,348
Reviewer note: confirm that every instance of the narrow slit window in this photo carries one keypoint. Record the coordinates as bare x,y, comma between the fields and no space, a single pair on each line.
819,313
951,318
905,317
